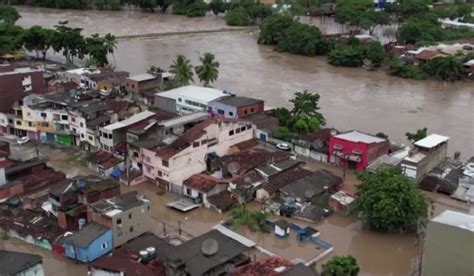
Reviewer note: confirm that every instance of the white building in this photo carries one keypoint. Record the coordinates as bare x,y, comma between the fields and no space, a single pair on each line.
80,76
187,99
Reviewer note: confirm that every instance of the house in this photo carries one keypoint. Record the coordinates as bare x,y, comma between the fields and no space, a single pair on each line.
144,256
143,86
341,201
69,200
80,76
25,118
278,181
200,186
16,263
105,82
89,243
104,162
212,253
448,245
426,55
16,83
314,145
355,150
265,124
222,202
271,266
188,99
172,164
236,106
113,134
311,186
426,155
127,215
281,228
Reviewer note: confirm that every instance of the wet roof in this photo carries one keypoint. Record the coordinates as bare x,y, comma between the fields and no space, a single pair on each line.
115,205
88,234
130,121
142,77
13,263
238,101
311,185
456,219
356,136
431,141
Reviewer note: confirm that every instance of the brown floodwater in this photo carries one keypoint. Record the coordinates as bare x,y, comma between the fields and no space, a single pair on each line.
350,98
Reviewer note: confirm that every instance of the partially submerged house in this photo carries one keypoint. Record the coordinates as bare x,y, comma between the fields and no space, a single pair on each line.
17,263
90,243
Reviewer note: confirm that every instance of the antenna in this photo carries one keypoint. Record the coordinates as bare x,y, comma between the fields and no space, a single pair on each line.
209,247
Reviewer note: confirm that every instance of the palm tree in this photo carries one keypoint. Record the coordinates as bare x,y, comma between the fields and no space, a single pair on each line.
447,68
182,70
306,103
208,71
111,45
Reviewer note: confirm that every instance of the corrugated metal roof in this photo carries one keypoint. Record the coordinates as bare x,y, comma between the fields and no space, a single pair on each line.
356,136
130,121
431,141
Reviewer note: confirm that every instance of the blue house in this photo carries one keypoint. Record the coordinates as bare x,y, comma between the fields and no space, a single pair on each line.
89,243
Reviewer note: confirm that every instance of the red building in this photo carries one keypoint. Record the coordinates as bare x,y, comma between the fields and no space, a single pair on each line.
355,150
16,83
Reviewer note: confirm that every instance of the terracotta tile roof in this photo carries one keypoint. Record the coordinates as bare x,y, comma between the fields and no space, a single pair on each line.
281,179
426,55
186,139
248,178
223,201
116,106
104,159
246,144
201,182
251,158
263,267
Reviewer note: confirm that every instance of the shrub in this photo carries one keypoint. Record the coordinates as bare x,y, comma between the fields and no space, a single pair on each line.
237,17
346,55
179,8
282,133
302,39
198,8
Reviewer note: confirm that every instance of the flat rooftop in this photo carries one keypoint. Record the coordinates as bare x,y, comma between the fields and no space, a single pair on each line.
200,93
356,136
130,121
142,77
431,141
456,219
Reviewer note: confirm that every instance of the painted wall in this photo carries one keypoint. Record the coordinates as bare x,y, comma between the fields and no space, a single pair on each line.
101,246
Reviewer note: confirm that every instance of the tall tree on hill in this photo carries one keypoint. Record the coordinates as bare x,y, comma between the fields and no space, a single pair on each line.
182,70
208,71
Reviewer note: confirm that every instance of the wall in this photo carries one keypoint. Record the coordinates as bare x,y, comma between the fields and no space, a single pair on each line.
348,148
36,270
250,109
226,110
93,251
435,157
165,104
448,250
139,222
100,272
11,88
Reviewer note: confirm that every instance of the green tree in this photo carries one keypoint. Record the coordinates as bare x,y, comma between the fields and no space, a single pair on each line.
147,5
346,55
341,266
446,68
8,14
301,125
208,71
97,49
258,12
197,8
398,67
282,133
182,70
110,45
302,39
389,201
418,135
70,41
375,53
372,19
11,38
412,9
307,104
217,6
284,116
38,39
352,12
237,17
273,28
155,70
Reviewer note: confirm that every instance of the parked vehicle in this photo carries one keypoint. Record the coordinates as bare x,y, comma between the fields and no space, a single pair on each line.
283,146
22,140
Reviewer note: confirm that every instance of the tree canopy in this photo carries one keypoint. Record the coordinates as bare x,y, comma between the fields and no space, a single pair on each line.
389,201
11,38
182,70
302,39
38,39
273,28
341,266
208,71
446,68
8,14
418,135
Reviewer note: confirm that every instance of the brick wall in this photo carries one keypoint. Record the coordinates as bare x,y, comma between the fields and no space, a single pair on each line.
250,109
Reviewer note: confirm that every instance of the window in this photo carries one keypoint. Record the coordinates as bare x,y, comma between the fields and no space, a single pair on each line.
43,114
220,111
203,142
56,117
135,154
73,119
251,109
246,111
242,129
165,163
10,121
231,113
180,100
119,221
18,123
160,173
189,191
63,117
195,144
131,229
231,133
249,126
81,124
82,135
130,216
128,84
133,85
91,138
110,135
74,130
237,130
104,246
104,135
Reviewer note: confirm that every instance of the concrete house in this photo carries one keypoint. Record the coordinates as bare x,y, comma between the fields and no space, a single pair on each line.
356,150
16,263
143,86
90,243
126,215
188,99
449,245
236,106
172,164
426,155
201,186
104,163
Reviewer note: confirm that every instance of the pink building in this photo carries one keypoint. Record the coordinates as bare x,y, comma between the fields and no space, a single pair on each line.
355,150
171,164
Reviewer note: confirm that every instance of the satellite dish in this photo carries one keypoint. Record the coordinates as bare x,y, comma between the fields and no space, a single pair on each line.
209,247
309,194
233,167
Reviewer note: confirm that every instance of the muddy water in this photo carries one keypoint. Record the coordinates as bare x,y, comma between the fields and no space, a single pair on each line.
350,98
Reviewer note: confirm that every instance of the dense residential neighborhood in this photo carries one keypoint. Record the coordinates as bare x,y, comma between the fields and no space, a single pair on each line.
110,171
